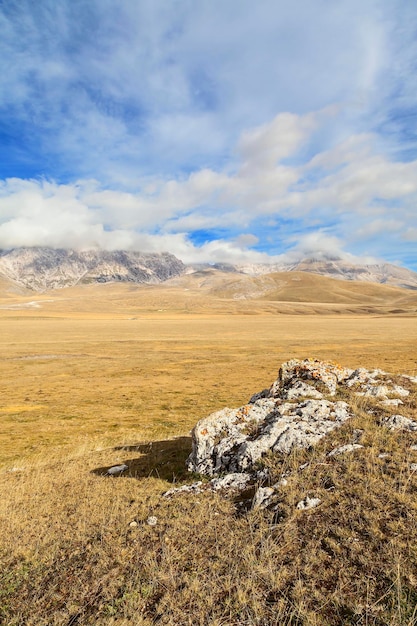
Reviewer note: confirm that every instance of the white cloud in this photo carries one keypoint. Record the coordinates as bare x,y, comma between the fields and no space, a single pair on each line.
109,90
263,147
345,195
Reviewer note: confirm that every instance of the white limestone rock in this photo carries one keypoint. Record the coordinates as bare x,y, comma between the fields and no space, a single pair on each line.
328,375
400,391
233,440
294,412
193,488
392,402
399,422
235,482
232,482
308,503
262,498
350,447
301,389
116,470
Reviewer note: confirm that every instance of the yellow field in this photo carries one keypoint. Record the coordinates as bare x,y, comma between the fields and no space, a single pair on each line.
126,364
101,375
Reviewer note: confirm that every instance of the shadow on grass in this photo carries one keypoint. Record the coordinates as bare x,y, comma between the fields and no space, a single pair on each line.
159,459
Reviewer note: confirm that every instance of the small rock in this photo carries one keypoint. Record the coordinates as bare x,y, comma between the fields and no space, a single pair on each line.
262,497
347,448
308,503
383,455
283,482
413,447
232,482
392,402
133,524
376,391
152,520
412,379
399,422
413,467
400,391
116,469
262,474
193,488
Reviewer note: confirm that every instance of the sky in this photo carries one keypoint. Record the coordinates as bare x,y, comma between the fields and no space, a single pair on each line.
218,130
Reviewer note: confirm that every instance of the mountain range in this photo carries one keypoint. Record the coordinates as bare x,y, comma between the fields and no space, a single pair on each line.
41,269
384,273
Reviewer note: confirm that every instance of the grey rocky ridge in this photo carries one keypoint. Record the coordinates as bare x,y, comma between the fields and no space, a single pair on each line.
42,269
308,400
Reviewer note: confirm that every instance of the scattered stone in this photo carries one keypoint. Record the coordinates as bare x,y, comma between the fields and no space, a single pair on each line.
399,422
235,482
133,524
152,520
413,467
350,447
362,375
193,488
283,482
392,402
383,455
400,391
412,379
232,482
308,503
413,447
116,469
262,475
374,391
262,497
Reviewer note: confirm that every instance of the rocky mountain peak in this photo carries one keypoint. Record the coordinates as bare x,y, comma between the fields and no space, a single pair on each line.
42,269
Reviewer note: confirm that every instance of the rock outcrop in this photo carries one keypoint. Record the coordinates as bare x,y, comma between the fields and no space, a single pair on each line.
299,409
308,400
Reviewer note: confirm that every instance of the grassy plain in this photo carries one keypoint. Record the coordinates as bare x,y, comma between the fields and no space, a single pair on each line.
99,375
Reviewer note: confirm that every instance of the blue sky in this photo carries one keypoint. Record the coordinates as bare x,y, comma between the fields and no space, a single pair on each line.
219,130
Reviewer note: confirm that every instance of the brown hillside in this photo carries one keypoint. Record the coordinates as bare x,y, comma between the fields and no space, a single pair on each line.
294,287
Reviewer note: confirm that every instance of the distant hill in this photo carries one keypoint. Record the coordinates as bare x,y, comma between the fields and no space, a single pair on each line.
294,287
384,273
41,269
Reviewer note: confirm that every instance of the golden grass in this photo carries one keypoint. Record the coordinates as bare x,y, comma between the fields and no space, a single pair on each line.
84,387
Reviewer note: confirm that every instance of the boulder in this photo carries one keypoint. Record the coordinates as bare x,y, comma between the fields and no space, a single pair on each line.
296,411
